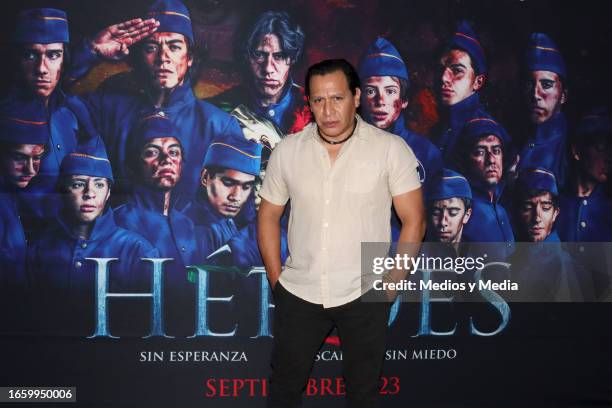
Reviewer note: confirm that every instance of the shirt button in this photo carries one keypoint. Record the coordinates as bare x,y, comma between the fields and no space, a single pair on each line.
325,225
78,264
584,202
532,145
583,224
84,245
59,147
326,201
502,223
183,249
161,113
271,112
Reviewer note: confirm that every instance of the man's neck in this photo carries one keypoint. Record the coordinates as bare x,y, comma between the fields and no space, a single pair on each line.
167,202
82,230
585,186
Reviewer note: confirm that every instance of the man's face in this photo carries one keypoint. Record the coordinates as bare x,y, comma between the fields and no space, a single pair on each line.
486,160
86,197
270,68
166,56
228,191
382,104
447,218
544,95
161,163
41,67
458,80
538,215
21,163
595,158
332,104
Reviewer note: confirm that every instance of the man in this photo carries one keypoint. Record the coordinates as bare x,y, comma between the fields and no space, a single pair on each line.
463,74
230,173
449,208
545,95
359,171
24,133
162,65
40,47
157,163
538,205
586,207
542,268
85,228
483,144
385,96
271,49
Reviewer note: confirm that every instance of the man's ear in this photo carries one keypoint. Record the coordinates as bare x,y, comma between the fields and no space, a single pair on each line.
575,153
479,82
467,215
203,178
357,97
563,96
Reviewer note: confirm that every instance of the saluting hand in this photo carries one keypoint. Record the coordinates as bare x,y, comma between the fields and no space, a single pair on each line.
114,41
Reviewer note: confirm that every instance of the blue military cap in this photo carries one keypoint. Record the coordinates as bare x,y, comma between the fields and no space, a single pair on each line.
450,185
42,26
382,59
479,127
156,124
466,39
597,121
538,179
88,162
24,123
173,17
544,55
234,153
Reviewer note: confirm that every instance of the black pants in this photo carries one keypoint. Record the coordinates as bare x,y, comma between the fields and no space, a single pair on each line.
300,328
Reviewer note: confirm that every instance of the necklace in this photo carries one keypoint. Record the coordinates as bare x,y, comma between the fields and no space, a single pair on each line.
331,142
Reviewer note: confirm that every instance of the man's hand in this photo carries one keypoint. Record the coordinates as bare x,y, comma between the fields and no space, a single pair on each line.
113,42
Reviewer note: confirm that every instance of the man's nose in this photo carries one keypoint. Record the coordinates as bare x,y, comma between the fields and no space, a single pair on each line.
41,66
446,76
30,167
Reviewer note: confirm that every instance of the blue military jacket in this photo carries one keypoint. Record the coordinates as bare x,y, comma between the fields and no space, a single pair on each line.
429,158
458,115
547,148
117,109
70,126
57,259
13,242
586,219
489,223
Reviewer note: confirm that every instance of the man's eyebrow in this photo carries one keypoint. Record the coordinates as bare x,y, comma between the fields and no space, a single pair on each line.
175,145
458,64
175,41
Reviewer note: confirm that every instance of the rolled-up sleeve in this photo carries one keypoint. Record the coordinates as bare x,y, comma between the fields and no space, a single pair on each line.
402,168
274,188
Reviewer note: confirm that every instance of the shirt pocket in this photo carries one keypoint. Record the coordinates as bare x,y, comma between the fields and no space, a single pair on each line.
364,177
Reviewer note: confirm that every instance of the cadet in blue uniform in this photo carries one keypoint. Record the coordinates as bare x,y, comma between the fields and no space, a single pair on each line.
24,133
586,206
545,94
483,145
449,208
231,169
542,268
463,74
162,63
271,49
40,41
385,84
64,280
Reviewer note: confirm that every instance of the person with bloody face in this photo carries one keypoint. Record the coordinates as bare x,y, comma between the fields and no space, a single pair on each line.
545,91
162,63
59,269
269,53
483,144
40,54
463,71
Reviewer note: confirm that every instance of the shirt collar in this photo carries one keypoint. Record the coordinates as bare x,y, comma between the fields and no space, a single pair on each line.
104,225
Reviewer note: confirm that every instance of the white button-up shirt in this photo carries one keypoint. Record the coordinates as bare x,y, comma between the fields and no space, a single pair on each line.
336,207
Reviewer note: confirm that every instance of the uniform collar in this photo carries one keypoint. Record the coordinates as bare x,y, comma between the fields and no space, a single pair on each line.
553,128
151,199
480,191
459,112
104,225
181,95
398,127
553,237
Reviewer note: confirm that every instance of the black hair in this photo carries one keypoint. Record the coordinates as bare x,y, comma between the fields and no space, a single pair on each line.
332,65
212,171
290,35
